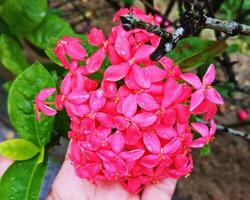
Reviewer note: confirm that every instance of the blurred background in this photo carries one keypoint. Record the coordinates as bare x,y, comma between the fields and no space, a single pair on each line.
224,173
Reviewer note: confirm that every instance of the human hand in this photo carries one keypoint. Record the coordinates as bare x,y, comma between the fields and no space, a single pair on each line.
67,186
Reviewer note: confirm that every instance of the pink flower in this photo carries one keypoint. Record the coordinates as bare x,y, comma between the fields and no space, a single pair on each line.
40,105
131,61
133,125
206,134
204,88
96,37
243,115
157,153
114,160
69,46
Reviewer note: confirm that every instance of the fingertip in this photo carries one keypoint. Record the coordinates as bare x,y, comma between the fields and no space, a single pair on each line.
161,191
4,164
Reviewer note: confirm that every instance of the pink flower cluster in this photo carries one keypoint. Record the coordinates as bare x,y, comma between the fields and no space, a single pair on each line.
133,126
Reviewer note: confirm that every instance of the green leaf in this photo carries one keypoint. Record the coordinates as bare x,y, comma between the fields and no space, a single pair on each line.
4,28
23,179
21,107
6,85
62,128
23,16
11,55
52,28
129,2
18,149
192,52
205,150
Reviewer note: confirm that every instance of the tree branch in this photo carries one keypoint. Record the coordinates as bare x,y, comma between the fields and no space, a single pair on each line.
192,21
229,131
231,28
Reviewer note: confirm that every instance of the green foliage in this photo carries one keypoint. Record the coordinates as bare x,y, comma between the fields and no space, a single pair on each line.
18,149
129,2
192,52
21,106
23,16
11,55
6,85
205,151
62,123
50,30
230,8
23,179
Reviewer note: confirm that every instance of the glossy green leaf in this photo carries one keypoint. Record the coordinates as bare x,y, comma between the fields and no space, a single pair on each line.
23,16
192,52
52,28
205,151
21,107
11,55
18,149
23,179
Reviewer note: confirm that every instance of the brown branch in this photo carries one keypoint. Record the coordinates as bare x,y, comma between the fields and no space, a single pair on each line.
192,21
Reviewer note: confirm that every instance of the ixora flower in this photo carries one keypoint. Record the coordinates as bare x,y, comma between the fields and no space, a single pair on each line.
133,126
40,105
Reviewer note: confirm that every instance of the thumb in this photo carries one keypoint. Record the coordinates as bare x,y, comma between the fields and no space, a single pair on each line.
4,164
161,191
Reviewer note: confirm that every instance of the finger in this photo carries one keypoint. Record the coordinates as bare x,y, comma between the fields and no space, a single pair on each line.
113,191
4,164
67,186
161,191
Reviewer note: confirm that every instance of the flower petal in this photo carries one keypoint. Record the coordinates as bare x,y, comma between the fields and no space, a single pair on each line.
97,100
140,77
144,119
196,99
166,132
213,96
183,113
109,89
122,47
116,72
152,142
94,62
46,110
200,128
198,143
147,102
129,106
78,96
45,93
172,146
155,73
192,79
96,37
212,127
130,81
143,53
132,155
117,142
149,161
172,90
75,51
66,84
209,77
